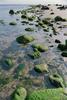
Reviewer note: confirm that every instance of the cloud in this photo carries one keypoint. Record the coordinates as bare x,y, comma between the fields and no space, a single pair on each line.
32,1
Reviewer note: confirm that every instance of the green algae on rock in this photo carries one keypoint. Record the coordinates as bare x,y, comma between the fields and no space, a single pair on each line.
58,18
29,29
11,12
56,80
35,54
47,94
19,94
40,47
8,62
41,68
12,23
24,39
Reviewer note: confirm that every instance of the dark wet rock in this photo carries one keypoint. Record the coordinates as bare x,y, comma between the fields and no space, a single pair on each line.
12,23
64,53
40,23
41,68
24,39
58,18
2,22
50,35
57,41
24,16
24,22
44,7
19,94
35,54
52,13
56,80
29,29
45,21
60,27
40,47
46,30
62,7
54,31
11,12
31,18
63,47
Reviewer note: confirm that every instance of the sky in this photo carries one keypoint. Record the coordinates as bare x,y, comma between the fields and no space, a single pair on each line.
33,1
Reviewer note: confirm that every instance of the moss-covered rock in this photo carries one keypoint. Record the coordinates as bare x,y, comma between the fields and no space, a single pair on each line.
12,23
41,68
64,53
56,80
58,18
29,29
40,47
24,39
35,54
19,94
11,12
47,94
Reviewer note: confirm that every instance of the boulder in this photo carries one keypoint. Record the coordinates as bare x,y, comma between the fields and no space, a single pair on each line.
19,94
56,80
11,12
24,39
41,68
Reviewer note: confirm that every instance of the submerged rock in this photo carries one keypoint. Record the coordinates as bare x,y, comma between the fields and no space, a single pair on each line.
56,80
41,68
8,62
40,47
19,71
12,23
29,29
35,54
19,94
62,7
11,12
24,39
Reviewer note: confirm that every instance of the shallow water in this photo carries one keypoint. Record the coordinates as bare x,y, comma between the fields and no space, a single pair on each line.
9,47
